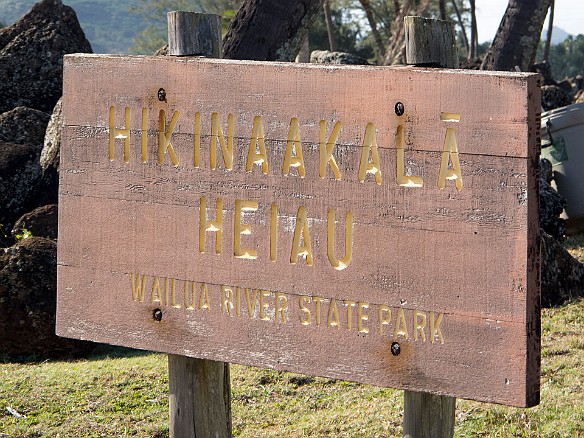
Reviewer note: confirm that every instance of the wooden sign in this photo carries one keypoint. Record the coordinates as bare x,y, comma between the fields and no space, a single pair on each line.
372,224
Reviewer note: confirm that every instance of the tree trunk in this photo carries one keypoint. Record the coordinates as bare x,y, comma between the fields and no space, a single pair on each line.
462,27
330,28
548,40
516,41
474,38
442,6
376,35
269,30
397,44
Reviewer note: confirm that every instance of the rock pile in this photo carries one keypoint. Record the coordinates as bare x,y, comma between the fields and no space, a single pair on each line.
31,65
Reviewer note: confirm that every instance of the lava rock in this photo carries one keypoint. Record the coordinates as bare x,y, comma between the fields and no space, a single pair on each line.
326,57
23,125
31,55
562,276
47,192
28,277
41,222
552,97
20,172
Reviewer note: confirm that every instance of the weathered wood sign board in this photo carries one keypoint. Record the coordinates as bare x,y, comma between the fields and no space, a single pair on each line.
371,224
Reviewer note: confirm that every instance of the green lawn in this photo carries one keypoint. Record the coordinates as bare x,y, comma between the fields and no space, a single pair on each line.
119,392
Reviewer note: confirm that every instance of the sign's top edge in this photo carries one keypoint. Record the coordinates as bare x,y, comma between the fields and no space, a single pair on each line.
189,59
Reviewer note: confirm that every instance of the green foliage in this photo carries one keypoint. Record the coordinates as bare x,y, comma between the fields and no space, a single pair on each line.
24,235
567,58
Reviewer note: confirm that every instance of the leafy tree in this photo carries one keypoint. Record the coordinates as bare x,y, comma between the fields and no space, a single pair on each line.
567,58
154,36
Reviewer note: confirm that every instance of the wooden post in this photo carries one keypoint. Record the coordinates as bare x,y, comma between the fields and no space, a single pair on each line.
200,400
429,43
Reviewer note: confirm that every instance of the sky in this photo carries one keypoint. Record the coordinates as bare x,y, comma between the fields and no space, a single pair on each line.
569,16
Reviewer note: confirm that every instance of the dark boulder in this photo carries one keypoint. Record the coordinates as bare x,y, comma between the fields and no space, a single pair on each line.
551,203
562,276
28,277
23,125
19,173
31,55
326,57
41,222
47,192
553,96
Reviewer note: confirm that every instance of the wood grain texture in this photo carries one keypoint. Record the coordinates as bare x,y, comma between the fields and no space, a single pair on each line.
435,417
418,252
430,42
192,33
195,385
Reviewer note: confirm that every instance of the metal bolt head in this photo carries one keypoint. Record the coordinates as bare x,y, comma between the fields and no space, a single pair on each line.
162,95
157,315
399,109
395,349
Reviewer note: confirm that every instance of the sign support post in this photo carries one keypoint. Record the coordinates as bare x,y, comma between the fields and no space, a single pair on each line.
429,42
200,396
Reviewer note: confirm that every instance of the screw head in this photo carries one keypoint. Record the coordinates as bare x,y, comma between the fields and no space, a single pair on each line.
395,349
162,95
157,315
399,109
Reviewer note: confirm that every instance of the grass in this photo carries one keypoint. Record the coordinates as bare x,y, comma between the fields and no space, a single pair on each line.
119,392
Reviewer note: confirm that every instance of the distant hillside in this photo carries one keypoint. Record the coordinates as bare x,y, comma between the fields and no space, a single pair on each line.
108,24
558,35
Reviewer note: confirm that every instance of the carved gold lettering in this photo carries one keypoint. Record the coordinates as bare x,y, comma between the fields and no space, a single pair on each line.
239,229
333,314
370,156
419,325
138,285
326,150
401,328
215,226
318,301
350,304
450,153
226,146
384,317
238,301
257,139
123,133
156,294
264,305
250,303
404,180
164,136
204,298
302,300
226,300
293,155
301,232
435,331
189,291
362,316
281,306
341,264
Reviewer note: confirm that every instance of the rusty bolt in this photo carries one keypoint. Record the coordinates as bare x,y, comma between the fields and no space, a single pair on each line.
399,109
395,349
157,315
162,95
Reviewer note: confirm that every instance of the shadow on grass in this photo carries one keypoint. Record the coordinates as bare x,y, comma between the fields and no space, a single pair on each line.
104,351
